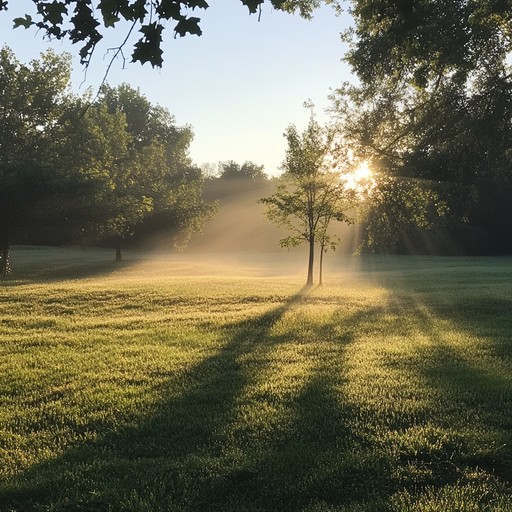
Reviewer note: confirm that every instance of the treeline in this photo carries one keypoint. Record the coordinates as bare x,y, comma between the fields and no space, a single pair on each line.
239,223
89,170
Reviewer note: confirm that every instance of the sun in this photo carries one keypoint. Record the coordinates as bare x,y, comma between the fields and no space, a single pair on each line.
362,172
361,178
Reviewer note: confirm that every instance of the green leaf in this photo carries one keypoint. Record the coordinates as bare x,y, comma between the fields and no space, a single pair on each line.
53,13
252,4
188,26
109,10
23,22
124,9
139,10
201,4
169,9
148,48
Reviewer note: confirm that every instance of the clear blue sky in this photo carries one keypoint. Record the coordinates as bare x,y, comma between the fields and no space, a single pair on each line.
239,85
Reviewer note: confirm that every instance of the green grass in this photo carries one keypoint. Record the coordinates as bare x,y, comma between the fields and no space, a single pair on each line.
170,384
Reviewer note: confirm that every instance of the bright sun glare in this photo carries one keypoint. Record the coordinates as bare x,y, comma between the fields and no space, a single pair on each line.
360,176
362,172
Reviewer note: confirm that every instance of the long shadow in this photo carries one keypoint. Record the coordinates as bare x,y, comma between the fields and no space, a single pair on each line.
473,399
328,458
467,436
186,455
168,457
189,455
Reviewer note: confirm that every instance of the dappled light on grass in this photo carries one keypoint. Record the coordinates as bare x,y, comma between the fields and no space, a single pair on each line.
169,391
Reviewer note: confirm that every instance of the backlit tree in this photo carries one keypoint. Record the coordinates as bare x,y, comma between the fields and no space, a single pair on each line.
310,194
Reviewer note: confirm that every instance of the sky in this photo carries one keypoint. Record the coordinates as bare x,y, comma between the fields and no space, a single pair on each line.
238,86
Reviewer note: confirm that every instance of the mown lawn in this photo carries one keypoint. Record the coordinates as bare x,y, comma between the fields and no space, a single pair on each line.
175,385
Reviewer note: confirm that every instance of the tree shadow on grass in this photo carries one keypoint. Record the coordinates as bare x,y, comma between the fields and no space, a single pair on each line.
195,453
166,454
326,461
471,394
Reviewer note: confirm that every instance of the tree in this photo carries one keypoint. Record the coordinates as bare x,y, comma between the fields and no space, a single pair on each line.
31,103
424,40
155,186
395,211
78,21
309,194
442,71
84,169
247,171
434,106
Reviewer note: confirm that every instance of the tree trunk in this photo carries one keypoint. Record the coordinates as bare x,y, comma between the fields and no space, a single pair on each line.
118,252
309,282
5,264
320,276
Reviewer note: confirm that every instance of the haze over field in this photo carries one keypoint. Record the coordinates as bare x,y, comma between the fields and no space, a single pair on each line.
43,262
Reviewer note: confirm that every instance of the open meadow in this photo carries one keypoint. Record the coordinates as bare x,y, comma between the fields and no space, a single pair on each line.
176,383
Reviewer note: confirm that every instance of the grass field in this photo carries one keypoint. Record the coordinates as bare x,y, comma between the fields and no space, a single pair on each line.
171,384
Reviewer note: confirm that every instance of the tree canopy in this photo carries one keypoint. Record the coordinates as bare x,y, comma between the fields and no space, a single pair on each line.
74,169
232,170
30,108
82,23
433,106
426,39
310,193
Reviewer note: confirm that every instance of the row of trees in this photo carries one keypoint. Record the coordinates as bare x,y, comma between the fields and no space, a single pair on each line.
76,169
432,112
82,169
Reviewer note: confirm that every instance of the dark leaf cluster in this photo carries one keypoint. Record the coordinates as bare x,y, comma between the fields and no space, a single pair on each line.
83,23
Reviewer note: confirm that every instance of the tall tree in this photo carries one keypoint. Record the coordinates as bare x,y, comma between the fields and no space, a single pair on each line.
156,183
31,103
383,127
309,194
434,106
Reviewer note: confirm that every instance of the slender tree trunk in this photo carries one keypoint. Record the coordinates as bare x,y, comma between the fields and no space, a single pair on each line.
118,252
321,273
5,264
309,282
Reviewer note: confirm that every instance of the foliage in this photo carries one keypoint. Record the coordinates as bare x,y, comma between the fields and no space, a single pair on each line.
231,170
30,107
175,385
426,40
156,188
73,169
309,194
80,22
434,103
230,181
394,209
